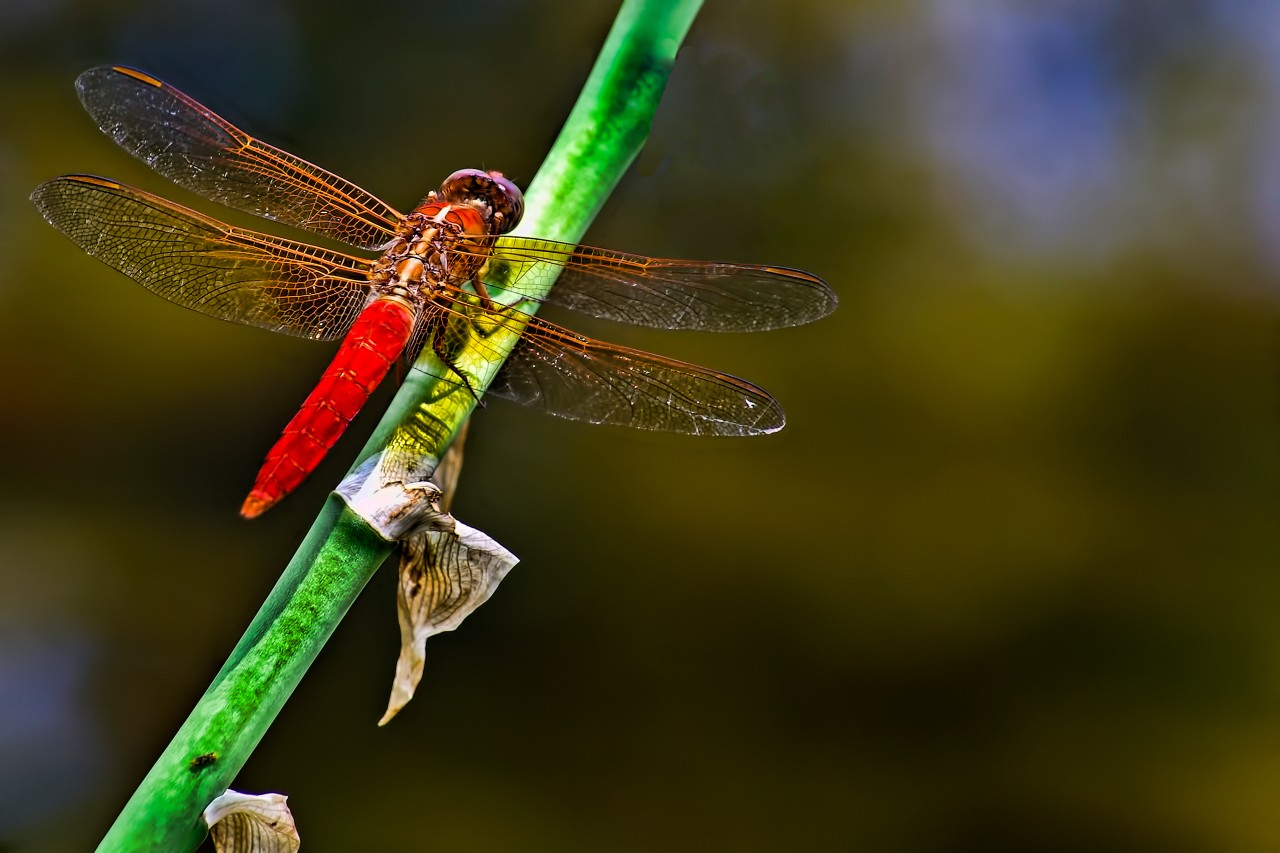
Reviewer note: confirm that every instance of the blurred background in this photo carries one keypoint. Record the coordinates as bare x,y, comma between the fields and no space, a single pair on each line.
1007,581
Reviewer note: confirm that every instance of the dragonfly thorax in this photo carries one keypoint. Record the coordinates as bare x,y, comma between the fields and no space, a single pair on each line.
448,238
438,244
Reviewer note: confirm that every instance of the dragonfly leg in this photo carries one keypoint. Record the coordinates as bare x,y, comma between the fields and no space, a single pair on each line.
482,292
440,348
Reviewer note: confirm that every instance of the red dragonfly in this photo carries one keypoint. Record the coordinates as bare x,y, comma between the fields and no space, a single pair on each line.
443,272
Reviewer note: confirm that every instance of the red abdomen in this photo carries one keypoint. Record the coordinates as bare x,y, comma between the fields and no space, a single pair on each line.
375,341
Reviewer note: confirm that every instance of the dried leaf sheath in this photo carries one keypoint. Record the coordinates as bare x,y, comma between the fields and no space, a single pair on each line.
444,577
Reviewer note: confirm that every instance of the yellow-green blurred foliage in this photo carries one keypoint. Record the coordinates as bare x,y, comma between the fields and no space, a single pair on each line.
1007,581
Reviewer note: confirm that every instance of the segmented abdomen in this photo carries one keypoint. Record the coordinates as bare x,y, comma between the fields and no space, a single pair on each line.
375,341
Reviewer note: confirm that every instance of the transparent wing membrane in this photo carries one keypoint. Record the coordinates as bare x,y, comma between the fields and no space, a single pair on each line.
572,376
202,264
199,150
657,292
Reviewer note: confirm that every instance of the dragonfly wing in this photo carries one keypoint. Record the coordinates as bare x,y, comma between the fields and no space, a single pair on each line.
574,377
197,149
202,264
657,292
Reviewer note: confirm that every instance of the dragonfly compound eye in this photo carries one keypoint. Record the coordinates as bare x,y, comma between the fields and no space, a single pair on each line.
492,188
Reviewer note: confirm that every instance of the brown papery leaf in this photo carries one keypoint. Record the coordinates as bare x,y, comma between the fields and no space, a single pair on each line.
251,823
444,576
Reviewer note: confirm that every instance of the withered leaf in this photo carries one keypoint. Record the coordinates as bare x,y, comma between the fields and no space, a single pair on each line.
251,823
447,569
444,576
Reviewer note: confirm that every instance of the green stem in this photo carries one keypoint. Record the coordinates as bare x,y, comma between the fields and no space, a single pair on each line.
340,553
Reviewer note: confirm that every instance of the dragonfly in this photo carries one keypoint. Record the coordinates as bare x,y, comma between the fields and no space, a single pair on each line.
447,274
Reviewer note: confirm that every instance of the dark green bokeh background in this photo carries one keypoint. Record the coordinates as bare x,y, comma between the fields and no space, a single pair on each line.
1007,581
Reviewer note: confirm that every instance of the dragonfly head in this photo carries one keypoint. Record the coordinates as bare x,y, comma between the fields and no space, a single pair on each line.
503,198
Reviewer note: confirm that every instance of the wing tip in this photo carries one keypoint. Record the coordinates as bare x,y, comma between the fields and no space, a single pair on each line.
91,85
821,307
768,418
45,191
830,299
775,423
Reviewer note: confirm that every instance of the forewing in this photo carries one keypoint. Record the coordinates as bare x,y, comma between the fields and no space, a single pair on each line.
202,264
658,292
197,149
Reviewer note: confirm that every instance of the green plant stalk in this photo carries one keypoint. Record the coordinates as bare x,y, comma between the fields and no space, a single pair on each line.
340,553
